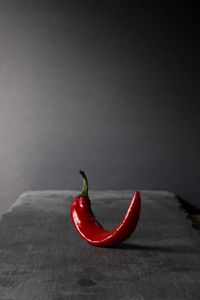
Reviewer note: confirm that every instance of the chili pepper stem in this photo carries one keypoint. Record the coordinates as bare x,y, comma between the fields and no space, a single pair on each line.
84,191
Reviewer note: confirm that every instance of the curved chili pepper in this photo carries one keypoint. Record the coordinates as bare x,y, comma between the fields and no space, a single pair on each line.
91,230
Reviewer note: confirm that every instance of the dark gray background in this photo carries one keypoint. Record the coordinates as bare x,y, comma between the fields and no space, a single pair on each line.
107,86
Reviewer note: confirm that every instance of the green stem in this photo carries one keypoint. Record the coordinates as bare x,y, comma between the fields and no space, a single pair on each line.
84,191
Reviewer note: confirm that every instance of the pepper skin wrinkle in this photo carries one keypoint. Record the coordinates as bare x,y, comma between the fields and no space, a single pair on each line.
91,230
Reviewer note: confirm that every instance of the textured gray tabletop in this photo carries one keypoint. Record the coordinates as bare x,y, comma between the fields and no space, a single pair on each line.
42,257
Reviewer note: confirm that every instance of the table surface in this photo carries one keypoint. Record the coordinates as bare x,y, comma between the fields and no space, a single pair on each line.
42,257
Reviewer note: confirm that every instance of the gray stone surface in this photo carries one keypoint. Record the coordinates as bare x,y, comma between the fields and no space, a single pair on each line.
42,257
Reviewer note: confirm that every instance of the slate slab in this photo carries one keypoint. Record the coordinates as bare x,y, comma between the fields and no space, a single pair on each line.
42,257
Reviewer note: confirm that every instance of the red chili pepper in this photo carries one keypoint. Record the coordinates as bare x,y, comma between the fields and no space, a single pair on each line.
91,230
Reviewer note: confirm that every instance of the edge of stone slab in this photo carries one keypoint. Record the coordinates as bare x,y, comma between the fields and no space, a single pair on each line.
23,196
183,205
125,192
190,211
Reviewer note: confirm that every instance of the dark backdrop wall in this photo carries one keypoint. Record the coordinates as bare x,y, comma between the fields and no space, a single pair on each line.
111,87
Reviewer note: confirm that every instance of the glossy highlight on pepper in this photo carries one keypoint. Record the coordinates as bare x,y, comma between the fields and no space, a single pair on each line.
91,230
